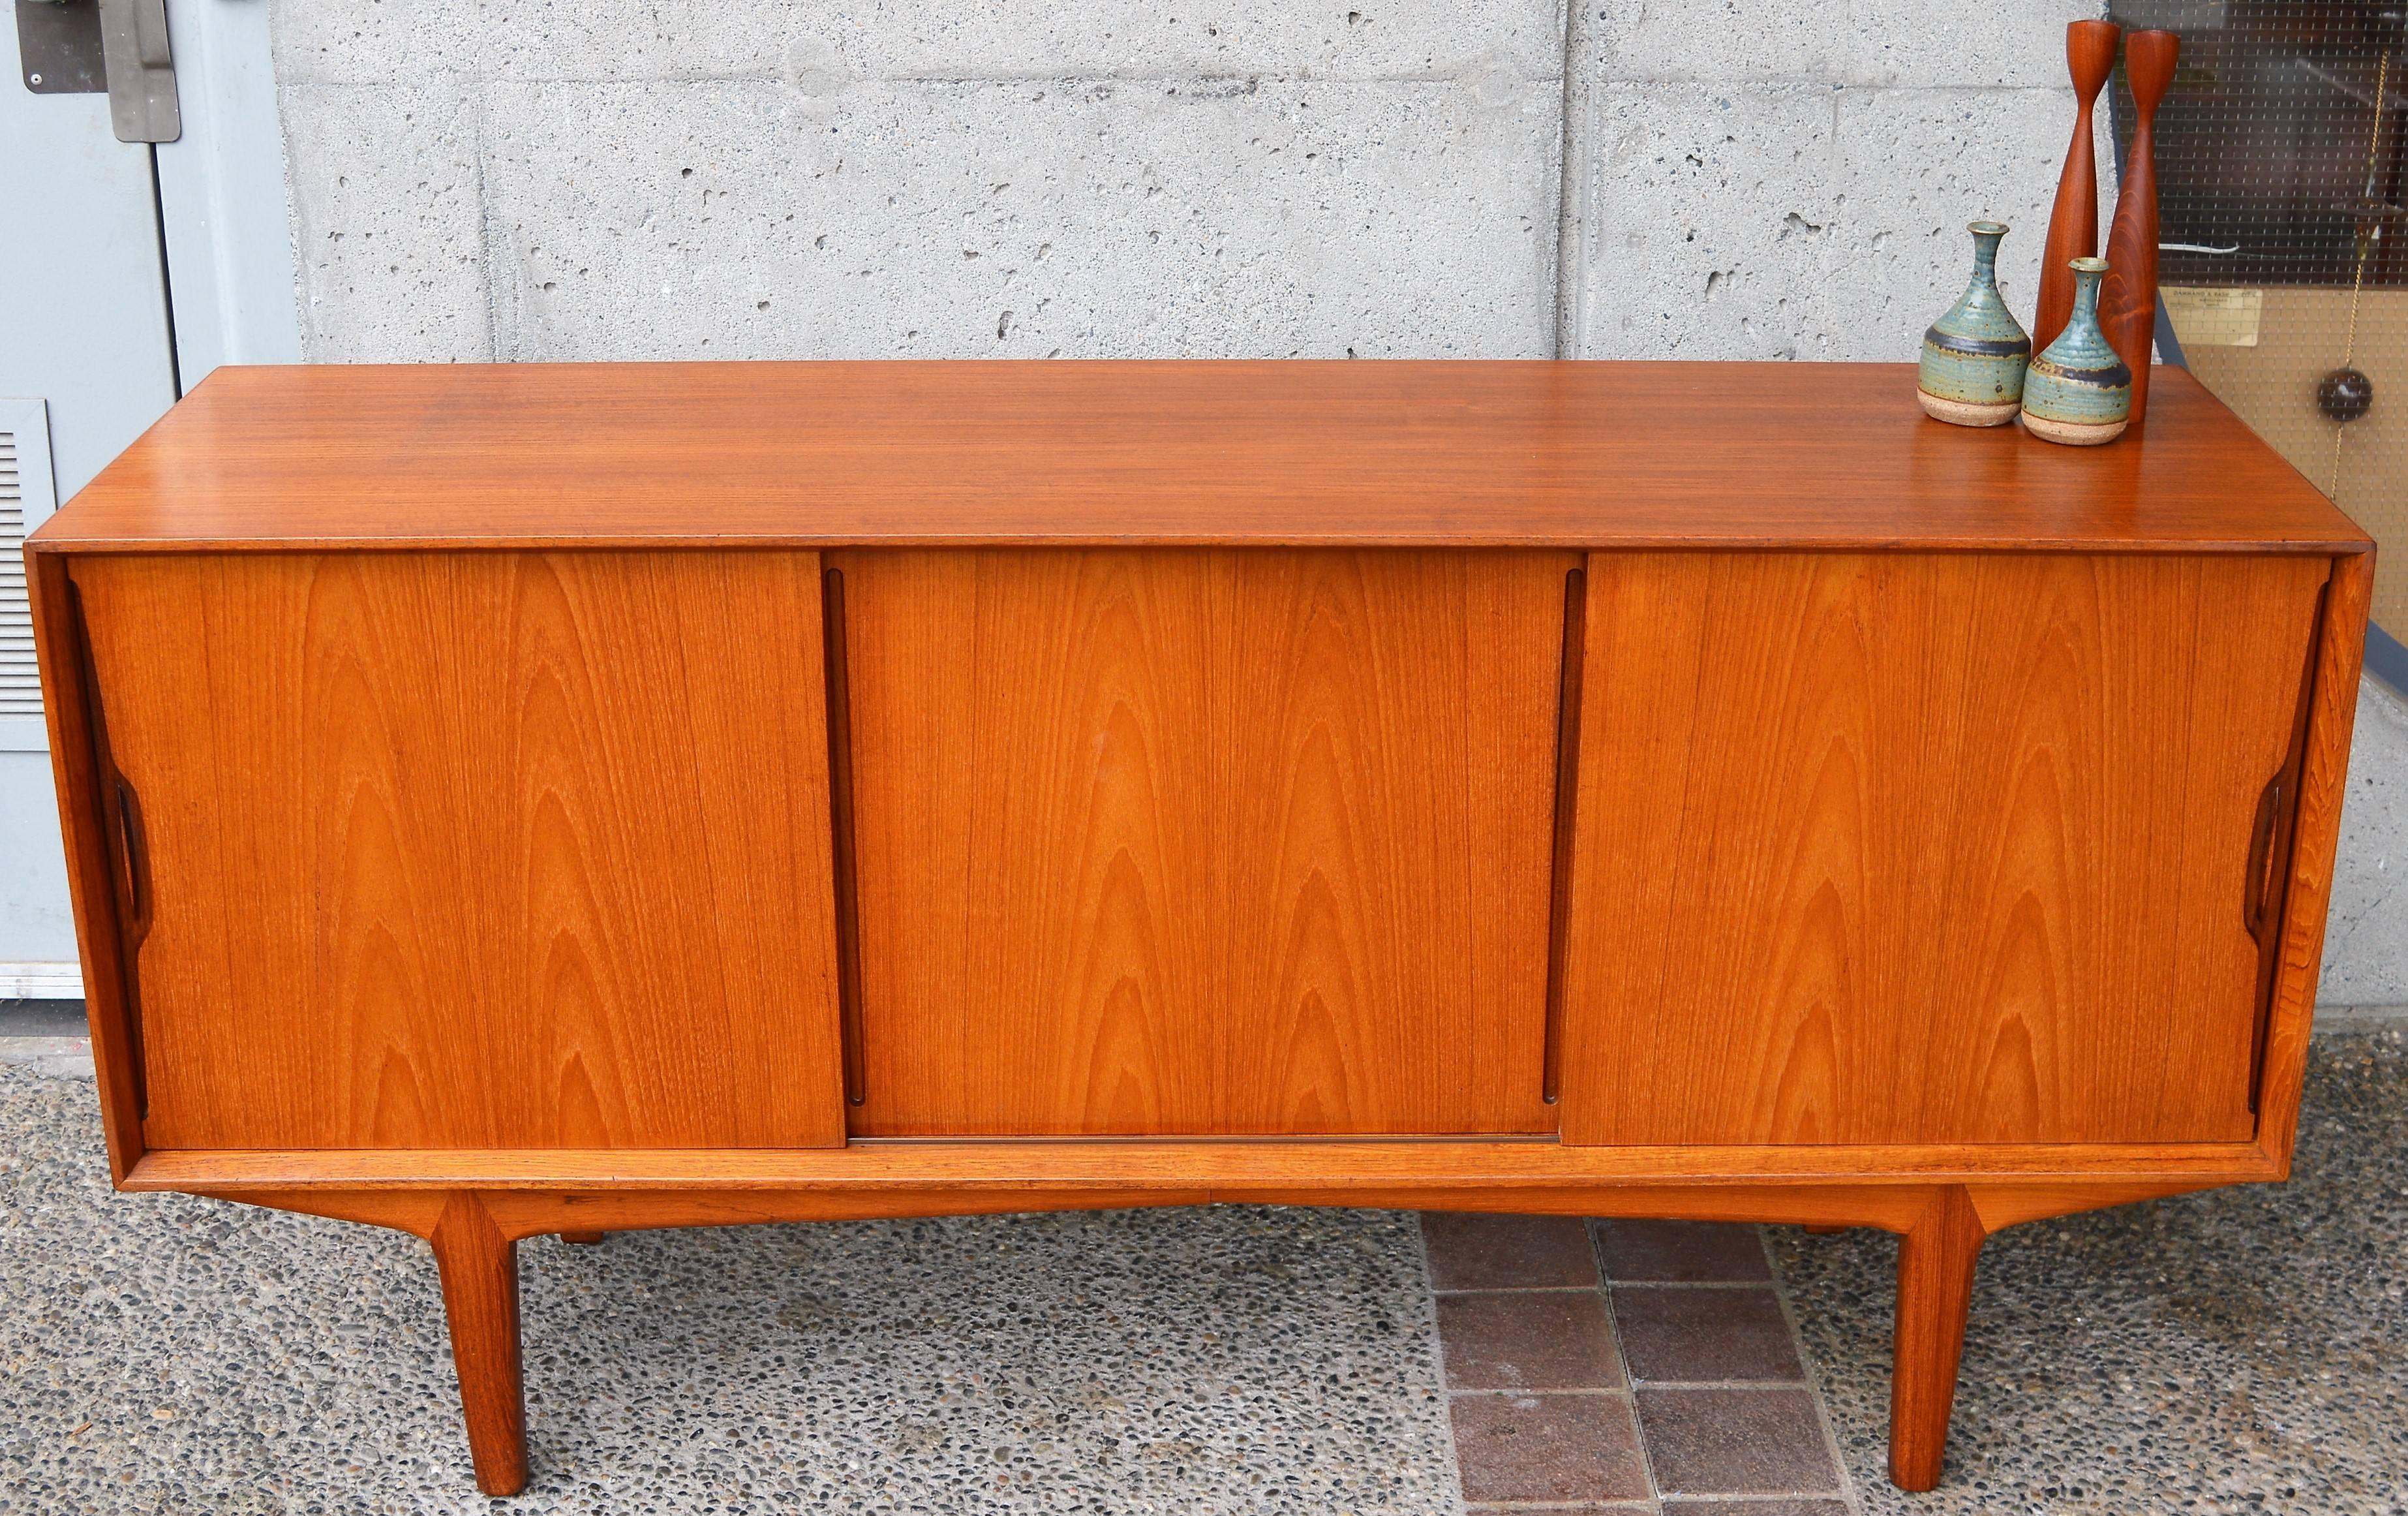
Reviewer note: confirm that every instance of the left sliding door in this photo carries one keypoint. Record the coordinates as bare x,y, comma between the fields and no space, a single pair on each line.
471,849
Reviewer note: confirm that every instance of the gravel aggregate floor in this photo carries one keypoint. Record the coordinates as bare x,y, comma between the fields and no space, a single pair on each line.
171,1354
2242,1351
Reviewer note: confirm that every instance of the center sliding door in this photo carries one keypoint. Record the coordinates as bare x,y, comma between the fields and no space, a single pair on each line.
1193,842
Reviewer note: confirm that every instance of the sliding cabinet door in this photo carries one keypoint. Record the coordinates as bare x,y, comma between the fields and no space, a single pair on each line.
471,849
1203,842
1899,849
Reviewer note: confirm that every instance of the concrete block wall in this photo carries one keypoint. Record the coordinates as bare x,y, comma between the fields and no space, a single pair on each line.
923,178
696,179
2366,931
1791,179
952,177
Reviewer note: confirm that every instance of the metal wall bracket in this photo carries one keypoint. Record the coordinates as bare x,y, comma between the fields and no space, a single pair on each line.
141,71
58,47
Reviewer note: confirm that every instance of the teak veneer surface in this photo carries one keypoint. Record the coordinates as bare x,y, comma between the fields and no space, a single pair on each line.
480,849
1133,767
1392,454
1203,842
1906,849
1257,1167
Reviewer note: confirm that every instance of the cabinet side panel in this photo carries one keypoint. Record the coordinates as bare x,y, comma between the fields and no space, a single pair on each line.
1910,849
79,778
2324,775
479,849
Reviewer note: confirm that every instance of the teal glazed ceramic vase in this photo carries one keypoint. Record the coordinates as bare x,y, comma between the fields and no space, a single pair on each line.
1974,356
2079,392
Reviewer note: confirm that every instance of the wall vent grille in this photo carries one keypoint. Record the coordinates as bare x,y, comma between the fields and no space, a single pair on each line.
20,685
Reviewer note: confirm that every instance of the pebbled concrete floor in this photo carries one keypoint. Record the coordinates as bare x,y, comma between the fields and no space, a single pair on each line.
2242,1351
164,1353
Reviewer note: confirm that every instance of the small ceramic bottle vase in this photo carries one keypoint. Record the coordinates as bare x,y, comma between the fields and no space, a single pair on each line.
2079,392
1974,356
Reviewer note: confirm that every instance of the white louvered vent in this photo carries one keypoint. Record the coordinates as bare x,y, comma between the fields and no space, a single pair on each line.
20,686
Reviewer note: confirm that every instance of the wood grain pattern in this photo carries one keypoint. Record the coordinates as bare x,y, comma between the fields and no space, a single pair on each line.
1271,454
1818,1207
2127,295
479,1267
1936,1259
1383,731
2315,836
477,848
1569,684
1027,773
1918,849
86,822
2002,1206
1200,772
1332,1170
527,1213
1203,842
2073,220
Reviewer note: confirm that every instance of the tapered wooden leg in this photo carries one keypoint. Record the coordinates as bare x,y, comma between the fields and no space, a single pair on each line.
586,1239
480,1295
1935,1285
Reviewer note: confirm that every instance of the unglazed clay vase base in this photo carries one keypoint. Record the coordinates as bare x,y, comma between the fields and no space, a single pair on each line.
2074,433
1965,413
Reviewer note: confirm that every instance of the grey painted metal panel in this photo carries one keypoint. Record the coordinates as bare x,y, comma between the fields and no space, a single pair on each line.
84,326
37,926
83,317
27,495
221,195
36,923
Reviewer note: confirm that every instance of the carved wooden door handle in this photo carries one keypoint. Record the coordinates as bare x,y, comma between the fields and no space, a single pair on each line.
2263,856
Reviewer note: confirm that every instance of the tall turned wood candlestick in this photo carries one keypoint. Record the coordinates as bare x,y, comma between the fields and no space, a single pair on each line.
2128,305
2074,225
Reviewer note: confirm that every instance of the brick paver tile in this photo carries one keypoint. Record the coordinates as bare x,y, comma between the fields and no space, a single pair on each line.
1737,1442
1685,1333
1548,1447
1682,1252
1536,1339
1470,1252
1585,1507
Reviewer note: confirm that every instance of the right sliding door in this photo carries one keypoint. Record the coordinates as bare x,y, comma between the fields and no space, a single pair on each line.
1929,848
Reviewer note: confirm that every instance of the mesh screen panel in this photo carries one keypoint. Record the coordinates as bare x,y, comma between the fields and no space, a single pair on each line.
2280,190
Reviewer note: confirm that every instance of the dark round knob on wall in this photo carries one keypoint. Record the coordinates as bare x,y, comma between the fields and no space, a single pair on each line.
2345,394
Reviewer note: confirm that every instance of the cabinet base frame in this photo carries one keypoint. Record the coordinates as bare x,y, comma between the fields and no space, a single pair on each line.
1942,1221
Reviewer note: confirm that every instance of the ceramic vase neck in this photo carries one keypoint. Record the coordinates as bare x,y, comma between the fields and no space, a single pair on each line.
1985,259
2085,295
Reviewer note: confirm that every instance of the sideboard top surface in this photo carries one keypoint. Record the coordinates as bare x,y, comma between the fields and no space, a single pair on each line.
1221,452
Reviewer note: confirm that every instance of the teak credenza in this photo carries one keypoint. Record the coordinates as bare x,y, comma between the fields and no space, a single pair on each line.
504,800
